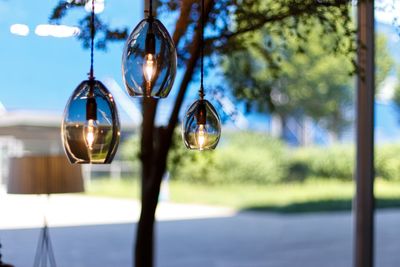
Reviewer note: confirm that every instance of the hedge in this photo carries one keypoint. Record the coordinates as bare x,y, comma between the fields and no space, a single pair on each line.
259,159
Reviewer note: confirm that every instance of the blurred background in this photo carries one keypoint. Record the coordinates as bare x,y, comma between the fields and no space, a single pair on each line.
276,192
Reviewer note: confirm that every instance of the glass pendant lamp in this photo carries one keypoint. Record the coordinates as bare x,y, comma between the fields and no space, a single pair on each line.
149,59
201,126
90,129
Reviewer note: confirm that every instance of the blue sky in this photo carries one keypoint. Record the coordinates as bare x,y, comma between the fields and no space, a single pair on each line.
41,72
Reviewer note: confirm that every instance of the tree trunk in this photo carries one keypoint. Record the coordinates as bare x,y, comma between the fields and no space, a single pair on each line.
150,191
144,235
155,145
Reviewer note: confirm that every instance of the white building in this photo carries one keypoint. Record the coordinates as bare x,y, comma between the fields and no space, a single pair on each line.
38,132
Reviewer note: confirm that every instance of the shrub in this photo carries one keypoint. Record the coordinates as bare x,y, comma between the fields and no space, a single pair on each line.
387,162
260,159
338,162
240,158
333,162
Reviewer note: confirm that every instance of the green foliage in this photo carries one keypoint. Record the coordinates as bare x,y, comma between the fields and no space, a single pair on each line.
396,96
312,81
310,196
387,162
230,23
327,162
234,22
130,151
338,162
254,158
241,158
288,80
197,168
178,154
384,61
251,158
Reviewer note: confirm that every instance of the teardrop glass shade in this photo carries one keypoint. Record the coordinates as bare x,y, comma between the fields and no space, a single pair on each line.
198,135
90,141
149,76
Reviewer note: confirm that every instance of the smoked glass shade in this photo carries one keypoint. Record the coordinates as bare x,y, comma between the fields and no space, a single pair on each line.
94,137
149,60
201,126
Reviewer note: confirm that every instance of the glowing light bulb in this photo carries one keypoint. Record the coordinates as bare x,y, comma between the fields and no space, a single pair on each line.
149,67
201,136
90,133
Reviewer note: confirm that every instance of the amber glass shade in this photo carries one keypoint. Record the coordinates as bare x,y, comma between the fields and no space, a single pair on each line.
149,60
93,140
201,126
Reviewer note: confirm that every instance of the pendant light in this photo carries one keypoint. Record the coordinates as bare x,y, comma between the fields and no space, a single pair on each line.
90,128
149,59
201,127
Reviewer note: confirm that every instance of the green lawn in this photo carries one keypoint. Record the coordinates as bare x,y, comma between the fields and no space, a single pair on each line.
308,196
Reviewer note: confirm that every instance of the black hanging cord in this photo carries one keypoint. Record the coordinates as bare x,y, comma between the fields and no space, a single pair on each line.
92,30
151,9
201,91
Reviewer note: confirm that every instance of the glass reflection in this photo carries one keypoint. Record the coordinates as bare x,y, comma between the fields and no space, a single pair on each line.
90,129
149,60
201,126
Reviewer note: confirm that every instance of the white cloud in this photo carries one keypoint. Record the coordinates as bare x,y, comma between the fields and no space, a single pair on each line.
60,31
98,6
19,29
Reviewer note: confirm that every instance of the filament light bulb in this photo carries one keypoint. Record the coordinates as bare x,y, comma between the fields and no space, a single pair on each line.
201,136
90,135
149,67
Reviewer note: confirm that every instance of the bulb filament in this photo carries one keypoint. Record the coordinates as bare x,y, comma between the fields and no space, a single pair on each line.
201,136
90,134
149,67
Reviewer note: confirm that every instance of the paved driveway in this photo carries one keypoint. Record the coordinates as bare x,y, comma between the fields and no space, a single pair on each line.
194,236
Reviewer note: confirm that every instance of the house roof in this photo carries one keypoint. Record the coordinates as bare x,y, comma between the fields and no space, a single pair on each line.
30,118
42,118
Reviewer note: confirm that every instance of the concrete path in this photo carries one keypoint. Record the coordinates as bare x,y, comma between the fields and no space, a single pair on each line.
27,211
190,235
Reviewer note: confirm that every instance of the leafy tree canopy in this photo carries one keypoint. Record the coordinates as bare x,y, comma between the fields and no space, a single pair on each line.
230,22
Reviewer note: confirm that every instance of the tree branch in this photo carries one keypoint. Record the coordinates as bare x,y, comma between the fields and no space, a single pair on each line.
293,12
190,67
183,21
